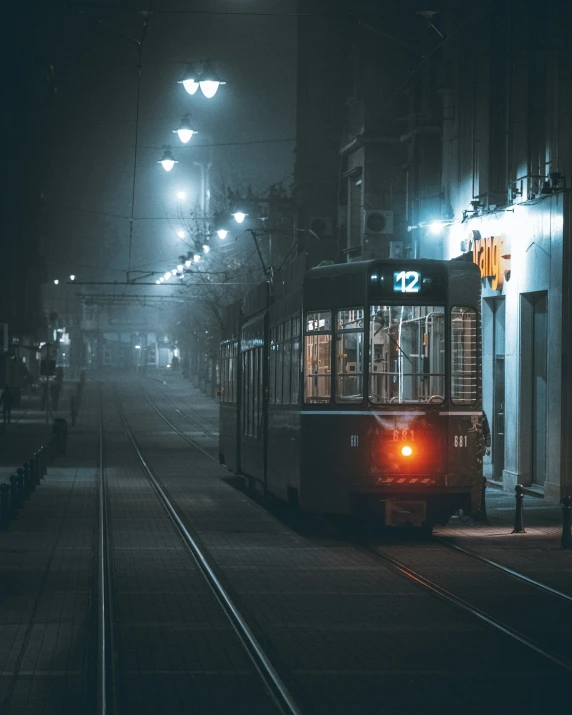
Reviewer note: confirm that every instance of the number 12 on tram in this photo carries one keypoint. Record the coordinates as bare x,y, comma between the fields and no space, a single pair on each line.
359,391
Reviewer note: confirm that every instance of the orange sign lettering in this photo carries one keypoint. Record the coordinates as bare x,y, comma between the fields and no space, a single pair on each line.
487,254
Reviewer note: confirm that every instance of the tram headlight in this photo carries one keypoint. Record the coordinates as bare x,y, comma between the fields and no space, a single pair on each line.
406,450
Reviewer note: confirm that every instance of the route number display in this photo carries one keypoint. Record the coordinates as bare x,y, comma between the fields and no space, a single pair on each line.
407,282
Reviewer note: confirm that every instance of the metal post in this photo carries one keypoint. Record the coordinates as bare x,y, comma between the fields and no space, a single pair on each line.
26,475
14,503
519,515
566,541
20,482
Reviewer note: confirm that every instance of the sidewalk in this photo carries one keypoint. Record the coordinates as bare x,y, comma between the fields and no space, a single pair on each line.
29,430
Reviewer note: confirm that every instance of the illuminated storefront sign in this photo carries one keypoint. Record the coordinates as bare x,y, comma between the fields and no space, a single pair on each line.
488,255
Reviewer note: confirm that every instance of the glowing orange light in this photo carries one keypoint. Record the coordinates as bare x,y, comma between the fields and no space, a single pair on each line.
406,451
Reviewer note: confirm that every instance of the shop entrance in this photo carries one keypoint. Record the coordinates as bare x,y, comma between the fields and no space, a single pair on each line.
534,349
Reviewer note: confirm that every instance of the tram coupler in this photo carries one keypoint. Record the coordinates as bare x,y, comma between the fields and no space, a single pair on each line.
566,541
519,513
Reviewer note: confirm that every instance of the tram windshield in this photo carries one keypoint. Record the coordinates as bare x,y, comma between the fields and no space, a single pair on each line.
406,354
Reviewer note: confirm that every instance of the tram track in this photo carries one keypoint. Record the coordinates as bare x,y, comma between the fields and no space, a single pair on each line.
466,606
457,601
273,684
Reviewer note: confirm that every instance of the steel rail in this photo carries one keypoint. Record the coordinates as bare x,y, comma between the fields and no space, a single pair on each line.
187,417
506,569
275,686
178,431
107,701
467,607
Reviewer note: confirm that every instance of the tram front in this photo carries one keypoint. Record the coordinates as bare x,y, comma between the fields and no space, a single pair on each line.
391,426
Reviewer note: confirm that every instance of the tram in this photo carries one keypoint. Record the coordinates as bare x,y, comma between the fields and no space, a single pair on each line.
355,389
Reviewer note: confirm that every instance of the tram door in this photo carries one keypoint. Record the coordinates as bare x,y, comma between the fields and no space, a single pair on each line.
498,421
535,334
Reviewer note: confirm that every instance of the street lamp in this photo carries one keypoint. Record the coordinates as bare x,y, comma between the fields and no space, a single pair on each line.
72,277
196,258
436,227
168,160
206,248
209,81
185,131
181,233
190,80
239,216
222,233
181,195
56,281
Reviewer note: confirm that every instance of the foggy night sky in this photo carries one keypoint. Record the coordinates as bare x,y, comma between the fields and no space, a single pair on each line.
89,135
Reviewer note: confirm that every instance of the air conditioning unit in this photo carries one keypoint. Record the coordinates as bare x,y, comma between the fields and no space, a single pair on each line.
378,221
396,249
322,226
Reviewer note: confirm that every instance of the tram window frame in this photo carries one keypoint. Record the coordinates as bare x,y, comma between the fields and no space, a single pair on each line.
344,378
318,332
272,365
460,381
427,354
295,363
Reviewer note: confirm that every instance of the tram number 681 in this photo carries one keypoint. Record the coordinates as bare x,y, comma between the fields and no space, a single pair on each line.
460,440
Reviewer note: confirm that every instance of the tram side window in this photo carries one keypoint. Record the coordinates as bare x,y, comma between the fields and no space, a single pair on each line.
406,354
349,355
318,357
463,355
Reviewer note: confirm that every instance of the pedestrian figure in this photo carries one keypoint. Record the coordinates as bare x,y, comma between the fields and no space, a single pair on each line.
486,434
6,400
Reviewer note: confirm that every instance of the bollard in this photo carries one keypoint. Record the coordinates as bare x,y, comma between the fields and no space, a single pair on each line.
35,461
566,541
14,503
32,472
20,482
43,462
519,514
4,506
26,475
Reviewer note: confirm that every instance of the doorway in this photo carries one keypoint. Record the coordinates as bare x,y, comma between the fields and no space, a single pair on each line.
534,344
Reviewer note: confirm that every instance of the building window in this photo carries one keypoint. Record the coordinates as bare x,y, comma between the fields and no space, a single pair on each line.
463,356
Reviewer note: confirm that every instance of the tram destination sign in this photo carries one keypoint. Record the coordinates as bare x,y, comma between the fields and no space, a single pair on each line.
407,282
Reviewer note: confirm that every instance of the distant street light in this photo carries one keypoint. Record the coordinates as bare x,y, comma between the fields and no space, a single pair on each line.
72,278
436,228
181,233
222,233
158,282
185,131
181,195
168,160
180,267
209,81
196,258
56,281
239,216
188,264
206,248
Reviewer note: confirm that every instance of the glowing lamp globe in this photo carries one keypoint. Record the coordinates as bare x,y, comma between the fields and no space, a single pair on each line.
222,233
168,160
239,216
206,248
